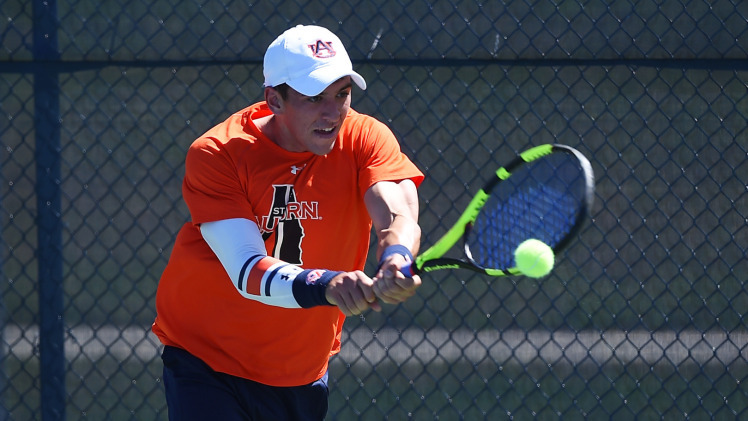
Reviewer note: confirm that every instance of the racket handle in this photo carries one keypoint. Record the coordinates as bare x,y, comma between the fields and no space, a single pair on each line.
407,270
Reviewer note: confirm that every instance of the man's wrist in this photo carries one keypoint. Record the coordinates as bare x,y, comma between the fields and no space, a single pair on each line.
396,249
309,287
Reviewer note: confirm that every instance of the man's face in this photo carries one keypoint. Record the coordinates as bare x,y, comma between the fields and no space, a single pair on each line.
312,123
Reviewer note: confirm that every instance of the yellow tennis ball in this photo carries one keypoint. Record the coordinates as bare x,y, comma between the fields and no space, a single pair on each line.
534,258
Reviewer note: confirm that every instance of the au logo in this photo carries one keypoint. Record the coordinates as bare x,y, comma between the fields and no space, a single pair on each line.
322,49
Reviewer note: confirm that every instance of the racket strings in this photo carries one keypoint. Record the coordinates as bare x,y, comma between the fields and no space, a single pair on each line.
540,201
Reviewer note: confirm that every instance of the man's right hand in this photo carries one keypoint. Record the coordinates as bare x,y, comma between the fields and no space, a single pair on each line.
352,292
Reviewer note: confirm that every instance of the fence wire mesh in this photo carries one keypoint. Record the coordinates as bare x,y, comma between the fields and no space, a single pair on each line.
644,316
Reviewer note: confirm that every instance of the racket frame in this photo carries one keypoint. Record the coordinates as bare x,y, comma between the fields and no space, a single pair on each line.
432,259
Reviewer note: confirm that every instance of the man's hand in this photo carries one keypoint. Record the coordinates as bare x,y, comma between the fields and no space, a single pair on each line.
352,292
390,285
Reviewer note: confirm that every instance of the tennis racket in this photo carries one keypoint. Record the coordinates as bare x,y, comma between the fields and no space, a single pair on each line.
544,193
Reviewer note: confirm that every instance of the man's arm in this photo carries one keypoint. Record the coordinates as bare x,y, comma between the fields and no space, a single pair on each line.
393,207
239,247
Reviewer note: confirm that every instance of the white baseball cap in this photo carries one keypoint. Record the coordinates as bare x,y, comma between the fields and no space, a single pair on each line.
308,59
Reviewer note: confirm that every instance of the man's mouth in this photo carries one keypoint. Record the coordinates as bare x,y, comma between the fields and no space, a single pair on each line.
327,130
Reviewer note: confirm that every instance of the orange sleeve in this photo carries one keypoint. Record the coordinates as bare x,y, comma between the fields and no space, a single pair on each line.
381,156
212,188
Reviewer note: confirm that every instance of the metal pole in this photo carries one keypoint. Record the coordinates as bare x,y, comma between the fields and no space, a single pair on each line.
49,217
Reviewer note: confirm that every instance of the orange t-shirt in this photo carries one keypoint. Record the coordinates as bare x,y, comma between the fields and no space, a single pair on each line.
311,212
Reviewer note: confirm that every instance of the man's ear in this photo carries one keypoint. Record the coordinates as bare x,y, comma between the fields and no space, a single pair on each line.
274,100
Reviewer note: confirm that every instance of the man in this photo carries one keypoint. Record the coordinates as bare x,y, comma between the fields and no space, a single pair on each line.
282,196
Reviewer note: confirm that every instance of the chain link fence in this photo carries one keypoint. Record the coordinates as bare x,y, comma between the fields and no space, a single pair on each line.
643,318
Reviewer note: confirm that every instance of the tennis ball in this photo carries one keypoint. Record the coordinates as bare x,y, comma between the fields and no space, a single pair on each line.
534,258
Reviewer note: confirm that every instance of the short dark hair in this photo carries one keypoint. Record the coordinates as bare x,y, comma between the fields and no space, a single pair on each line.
282,90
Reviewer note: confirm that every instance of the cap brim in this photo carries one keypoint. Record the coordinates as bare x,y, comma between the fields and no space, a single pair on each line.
318,80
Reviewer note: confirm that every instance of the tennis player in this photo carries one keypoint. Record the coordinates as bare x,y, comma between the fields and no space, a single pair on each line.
282,196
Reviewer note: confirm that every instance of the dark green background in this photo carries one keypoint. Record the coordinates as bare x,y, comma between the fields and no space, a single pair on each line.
643,316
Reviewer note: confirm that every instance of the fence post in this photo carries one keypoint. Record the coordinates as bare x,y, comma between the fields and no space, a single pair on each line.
49,217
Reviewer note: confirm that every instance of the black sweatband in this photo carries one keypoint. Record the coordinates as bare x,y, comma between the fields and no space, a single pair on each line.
309,287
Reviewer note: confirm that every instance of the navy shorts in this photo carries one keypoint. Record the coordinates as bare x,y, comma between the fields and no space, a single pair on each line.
195,392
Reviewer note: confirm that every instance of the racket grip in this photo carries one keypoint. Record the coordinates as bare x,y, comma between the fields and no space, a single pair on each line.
407,270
